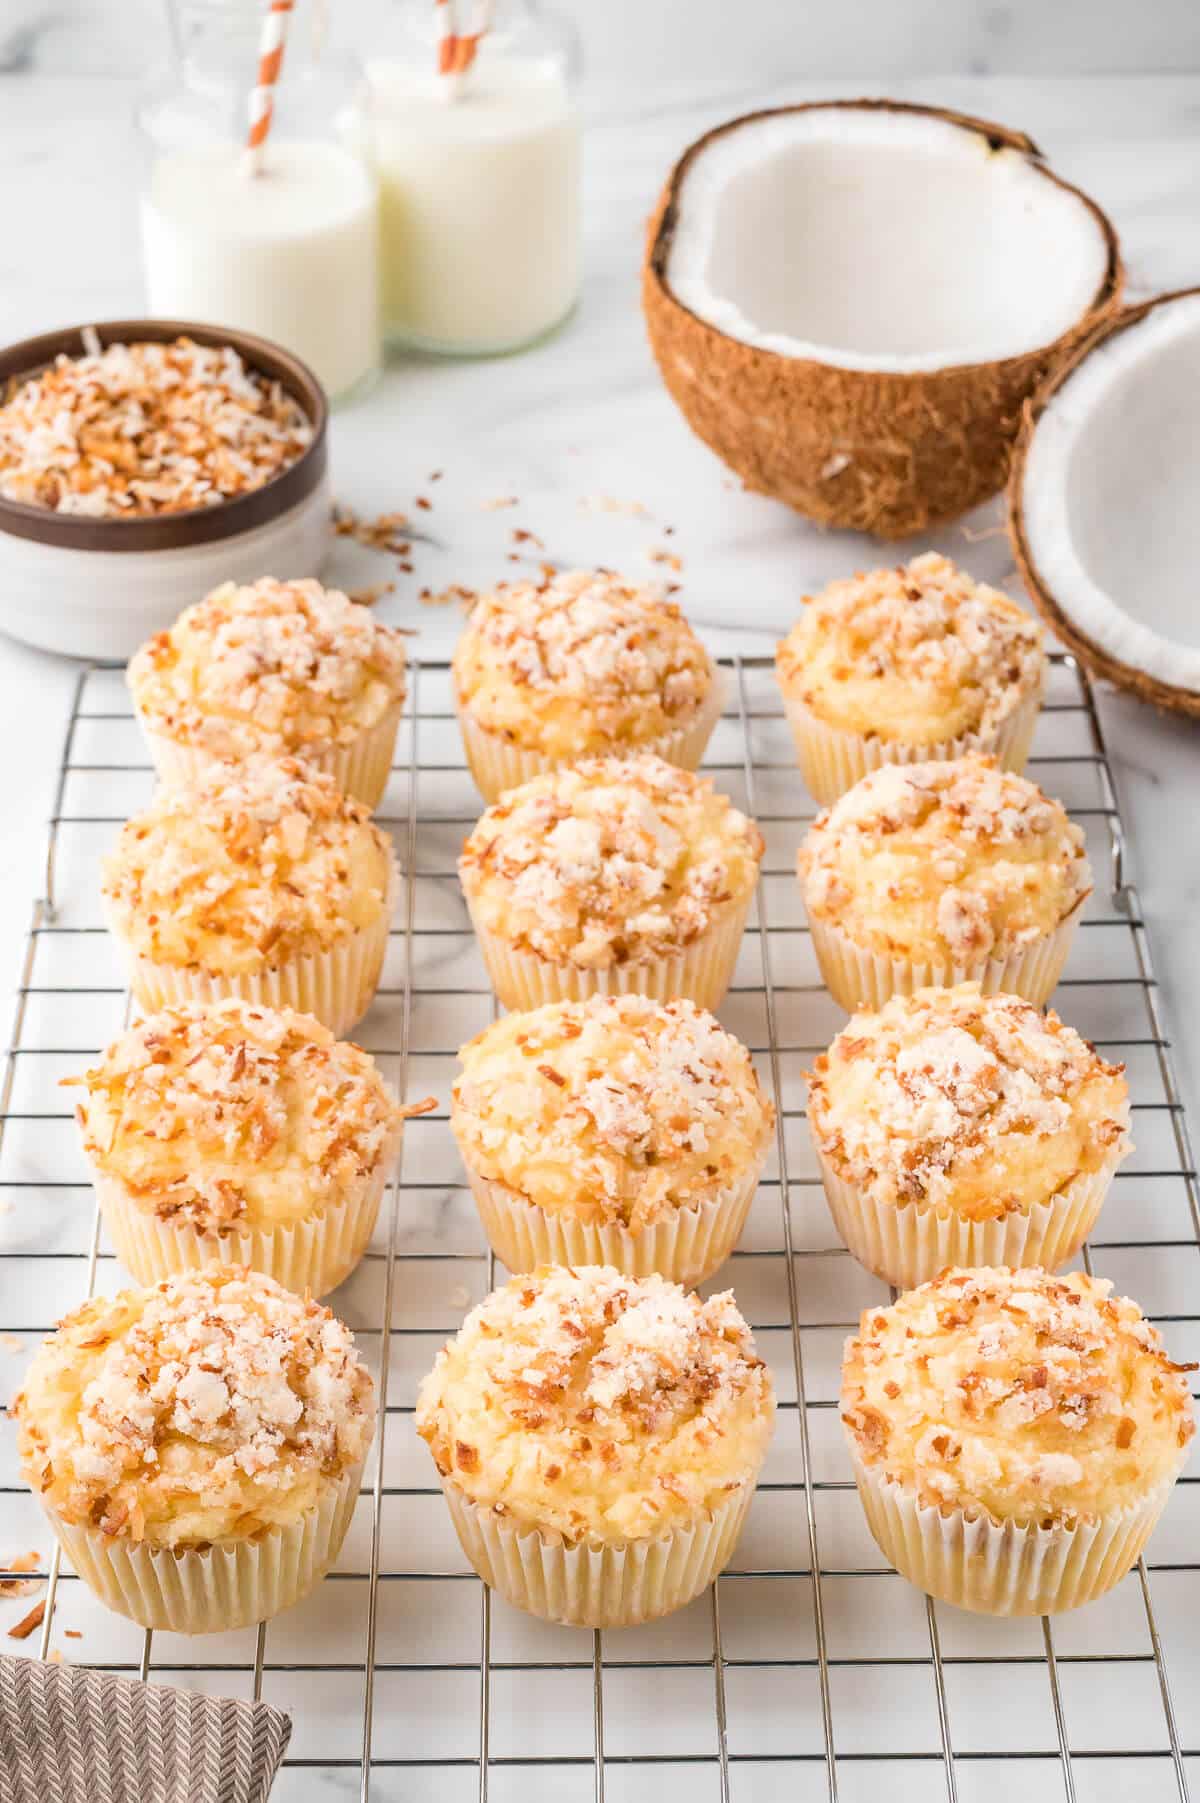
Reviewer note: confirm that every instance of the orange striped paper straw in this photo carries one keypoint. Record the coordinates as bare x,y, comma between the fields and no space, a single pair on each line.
456,50
447,36
270,61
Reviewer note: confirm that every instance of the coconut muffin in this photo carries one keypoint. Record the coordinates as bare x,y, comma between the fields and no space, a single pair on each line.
598,1438
1015,1436
197,1446
260,880
612,875
940,872
908,664
285,669
579,665
616,1130
228,1131
964,1129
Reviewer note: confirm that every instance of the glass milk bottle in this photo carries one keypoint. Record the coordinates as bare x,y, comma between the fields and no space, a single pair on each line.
479,177
284,245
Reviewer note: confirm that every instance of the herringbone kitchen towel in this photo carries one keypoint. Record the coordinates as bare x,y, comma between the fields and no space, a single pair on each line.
70,1735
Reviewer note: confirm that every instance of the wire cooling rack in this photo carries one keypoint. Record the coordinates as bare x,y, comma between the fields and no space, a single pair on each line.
810,1669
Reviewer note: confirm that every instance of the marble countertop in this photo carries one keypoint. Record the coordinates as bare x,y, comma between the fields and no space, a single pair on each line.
582,435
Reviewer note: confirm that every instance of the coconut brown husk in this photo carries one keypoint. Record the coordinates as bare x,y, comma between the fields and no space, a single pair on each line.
1070,631
886,454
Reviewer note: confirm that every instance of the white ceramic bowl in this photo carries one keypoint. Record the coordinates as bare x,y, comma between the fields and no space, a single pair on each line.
101,587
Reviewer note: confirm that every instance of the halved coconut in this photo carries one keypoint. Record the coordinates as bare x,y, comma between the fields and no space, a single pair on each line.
851,301
1104,502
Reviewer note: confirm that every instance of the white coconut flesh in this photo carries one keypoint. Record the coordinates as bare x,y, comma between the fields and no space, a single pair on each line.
879,240
1110,495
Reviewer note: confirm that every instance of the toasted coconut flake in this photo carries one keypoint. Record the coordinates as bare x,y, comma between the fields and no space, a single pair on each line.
142,429
28,1623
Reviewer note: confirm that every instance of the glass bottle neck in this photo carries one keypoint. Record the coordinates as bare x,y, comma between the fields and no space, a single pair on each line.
215,42
506,19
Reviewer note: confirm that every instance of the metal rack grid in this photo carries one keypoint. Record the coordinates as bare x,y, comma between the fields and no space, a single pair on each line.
810,1668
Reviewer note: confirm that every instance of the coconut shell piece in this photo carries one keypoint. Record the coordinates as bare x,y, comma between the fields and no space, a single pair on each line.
889,454
1070,630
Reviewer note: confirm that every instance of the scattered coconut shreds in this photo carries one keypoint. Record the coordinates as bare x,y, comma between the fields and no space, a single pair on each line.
522,536
19,1586
54,1656
466,597
142,429
22,1629
613,504
975,535
12,1583
660,554
498,502
11,1342
367,597
384,533
460,1297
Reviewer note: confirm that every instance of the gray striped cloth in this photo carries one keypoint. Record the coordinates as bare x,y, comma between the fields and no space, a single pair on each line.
71,1735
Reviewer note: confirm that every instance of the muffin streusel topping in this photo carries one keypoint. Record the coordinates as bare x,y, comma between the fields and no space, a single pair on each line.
951,1099
216,1394
957,857
251,862
229,1116
272,666
915,653
580,663
594,1404
617,1108
609,860
1029,1396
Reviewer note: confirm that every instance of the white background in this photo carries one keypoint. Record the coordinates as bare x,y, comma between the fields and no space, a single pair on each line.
740,40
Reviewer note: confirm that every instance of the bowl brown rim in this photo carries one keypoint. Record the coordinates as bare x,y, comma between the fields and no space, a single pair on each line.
196,525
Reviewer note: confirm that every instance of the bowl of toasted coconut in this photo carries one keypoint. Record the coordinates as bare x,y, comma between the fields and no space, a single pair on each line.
144,461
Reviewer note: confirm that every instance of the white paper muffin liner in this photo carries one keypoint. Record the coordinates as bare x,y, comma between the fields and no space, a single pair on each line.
909,1245
859,978
700,973
496,764
687,1246
229,1585
312,1255
360,768
336,984
1009,1569
596,1585
832,758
